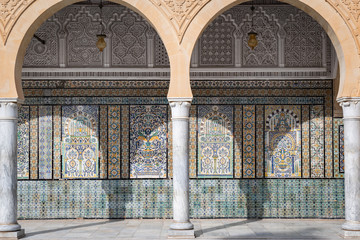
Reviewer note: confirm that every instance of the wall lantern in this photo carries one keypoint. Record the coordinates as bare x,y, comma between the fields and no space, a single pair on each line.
101,44
252,42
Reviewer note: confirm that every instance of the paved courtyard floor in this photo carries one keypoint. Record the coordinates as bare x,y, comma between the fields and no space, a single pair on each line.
204,229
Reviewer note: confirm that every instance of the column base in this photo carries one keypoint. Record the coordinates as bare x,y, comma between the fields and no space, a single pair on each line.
351,229
182,226
181,234
12,235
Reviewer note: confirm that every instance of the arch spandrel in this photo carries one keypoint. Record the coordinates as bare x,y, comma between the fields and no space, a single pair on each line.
330,18
12,50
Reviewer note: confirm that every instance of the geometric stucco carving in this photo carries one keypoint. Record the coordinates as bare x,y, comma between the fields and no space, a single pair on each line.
180,12
349,10
10,11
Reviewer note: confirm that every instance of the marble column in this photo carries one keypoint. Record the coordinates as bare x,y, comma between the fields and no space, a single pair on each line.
351,111
9,228
181,227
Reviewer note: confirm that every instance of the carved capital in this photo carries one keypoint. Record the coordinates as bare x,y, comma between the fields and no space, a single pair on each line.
351,108
180,108
10,11
8,111
180,12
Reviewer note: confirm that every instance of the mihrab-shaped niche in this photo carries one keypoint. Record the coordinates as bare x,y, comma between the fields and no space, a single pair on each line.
80,145
283,142
215,142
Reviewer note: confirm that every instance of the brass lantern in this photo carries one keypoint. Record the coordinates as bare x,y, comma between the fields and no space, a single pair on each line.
101,44
252,42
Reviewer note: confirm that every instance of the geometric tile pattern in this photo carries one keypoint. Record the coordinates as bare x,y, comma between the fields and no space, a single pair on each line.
148,141
215,141
245,198
80,141
34,131
57,141
338,148
238,141
45,142
103,141
193,141
341,150
317,141
305,141
259,141
328,135
23,143
249,141
114,142
125,142
170,154
283,141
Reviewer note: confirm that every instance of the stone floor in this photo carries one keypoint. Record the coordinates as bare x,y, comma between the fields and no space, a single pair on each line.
204,229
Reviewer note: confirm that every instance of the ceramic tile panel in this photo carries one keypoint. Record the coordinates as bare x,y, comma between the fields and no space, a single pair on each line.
317,141
114,142
23,143
148,141
45,142
249,161
215,141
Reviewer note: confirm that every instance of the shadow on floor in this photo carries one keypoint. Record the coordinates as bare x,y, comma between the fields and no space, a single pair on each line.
71,227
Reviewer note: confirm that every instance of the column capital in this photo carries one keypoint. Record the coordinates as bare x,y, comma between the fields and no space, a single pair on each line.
180,108
351,107
8,110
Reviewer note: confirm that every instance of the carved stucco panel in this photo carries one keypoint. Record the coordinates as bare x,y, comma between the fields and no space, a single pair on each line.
349,10
180,12
10,11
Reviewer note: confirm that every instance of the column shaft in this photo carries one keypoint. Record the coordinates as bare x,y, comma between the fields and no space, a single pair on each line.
351,111
180,122
8,168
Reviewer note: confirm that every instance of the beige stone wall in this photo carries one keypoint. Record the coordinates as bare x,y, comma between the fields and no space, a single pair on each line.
179,24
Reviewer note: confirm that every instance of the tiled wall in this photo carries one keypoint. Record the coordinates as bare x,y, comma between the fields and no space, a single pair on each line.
257,149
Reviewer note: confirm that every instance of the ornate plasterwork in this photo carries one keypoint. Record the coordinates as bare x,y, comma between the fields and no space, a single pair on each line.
10,11
350,12
180,12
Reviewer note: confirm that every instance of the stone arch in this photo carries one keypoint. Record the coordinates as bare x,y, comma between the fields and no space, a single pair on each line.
325,14
13,45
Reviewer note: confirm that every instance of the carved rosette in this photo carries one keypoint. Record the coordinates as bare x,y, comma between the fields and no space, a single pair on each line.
180,12
349,10
10,11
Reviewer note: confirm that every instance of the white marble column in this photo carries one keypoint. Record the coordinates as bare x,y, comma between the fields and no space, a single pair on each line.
181,226
351,110
8,170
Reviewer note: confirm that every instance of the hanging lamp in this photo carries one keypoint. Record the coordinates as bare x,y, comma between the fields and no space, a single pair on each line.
252,42
101,44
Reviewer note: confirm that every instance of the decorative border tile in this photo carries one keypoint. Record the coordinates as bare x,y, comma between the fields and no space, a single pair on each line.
23,143
238,141
328,137
260,141
114,142
341,149
45,142
170,147
103,141
34,116
317,141
305,141
57,142
193,141
338,145
125,158
249,160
